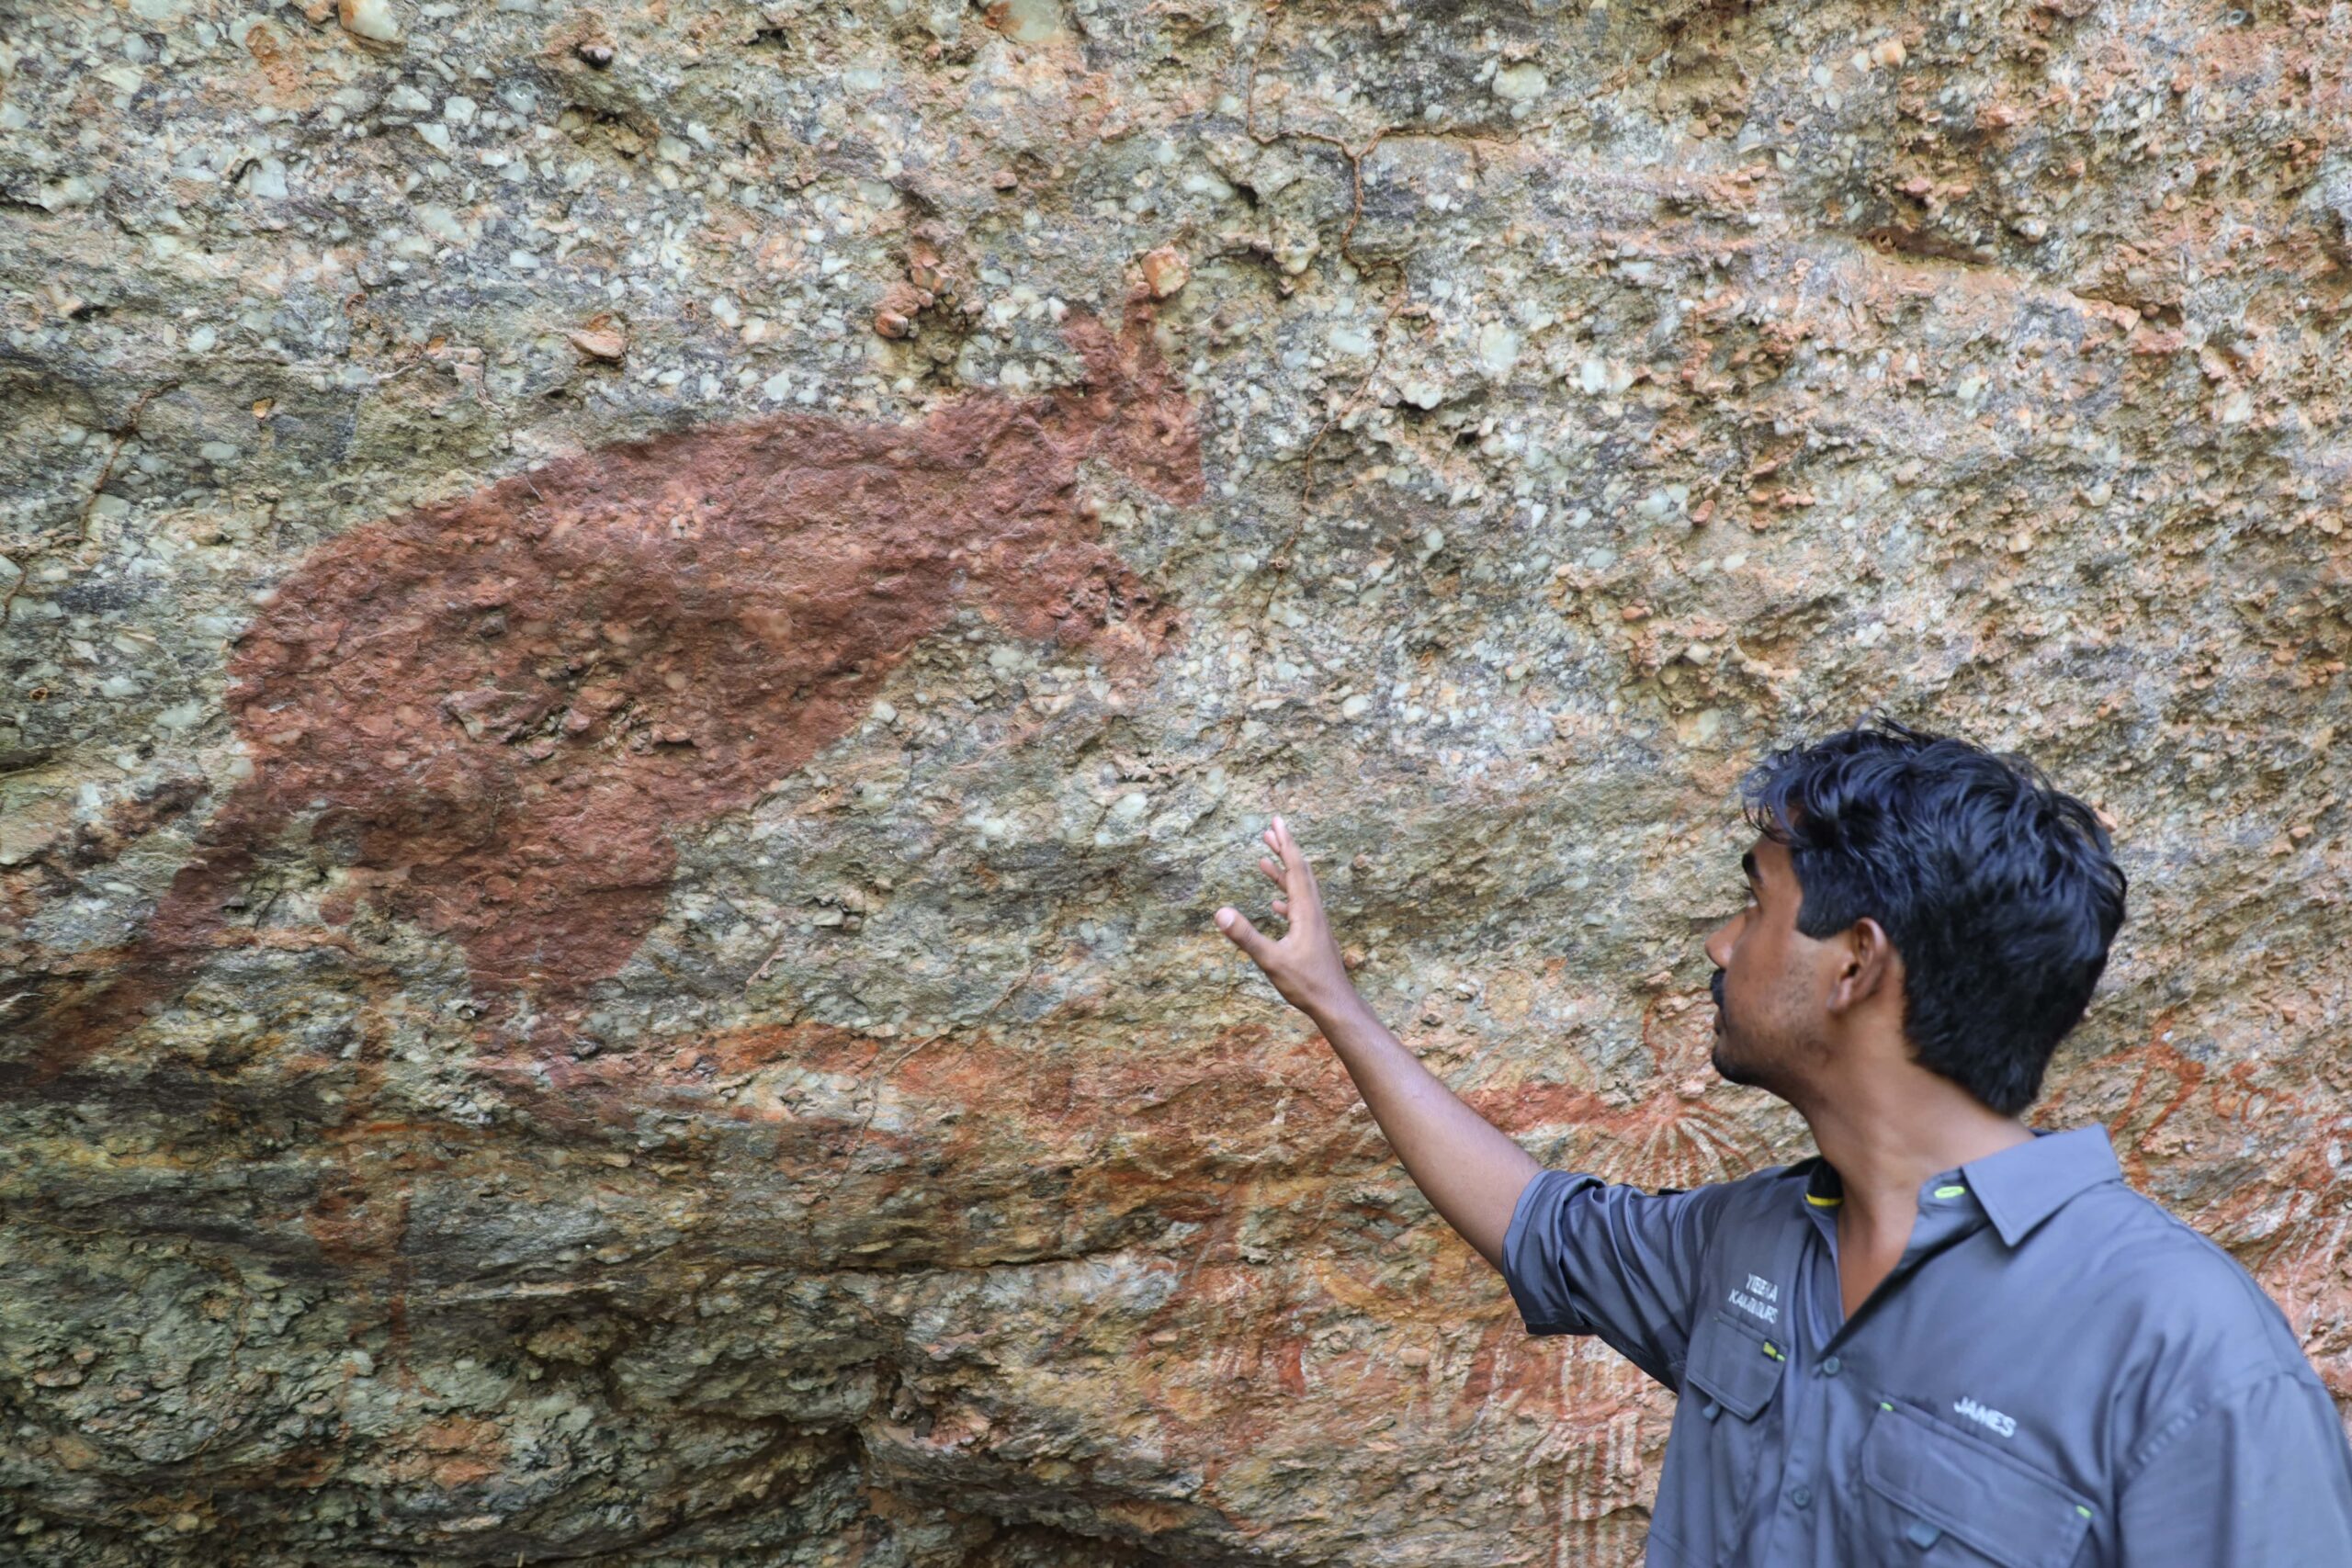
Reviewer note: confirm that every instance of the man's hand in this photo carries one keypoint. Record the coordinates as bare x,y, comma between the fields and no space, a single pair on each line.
1305,964
1471,1174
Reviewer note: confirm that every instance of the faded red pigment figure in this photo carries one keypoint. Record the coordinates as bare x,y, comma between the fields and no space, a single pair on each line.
495,711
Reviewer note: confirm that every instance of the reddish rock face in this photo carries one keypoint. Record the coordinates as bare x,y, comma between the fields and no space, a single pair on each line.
495,712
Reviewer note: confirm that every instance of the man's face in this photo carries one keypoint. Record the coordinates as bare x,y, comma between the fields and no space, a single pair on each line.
1769,1022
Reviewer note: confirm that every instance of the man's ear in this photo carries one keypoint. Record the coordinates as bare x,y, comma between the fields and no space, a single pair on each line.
1868,966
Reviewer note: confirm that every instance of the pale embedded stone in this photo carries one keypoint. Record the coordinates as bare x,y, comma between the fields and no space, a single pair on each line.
1165,271
601,342
1499,348
1520,84
1421,391
373,20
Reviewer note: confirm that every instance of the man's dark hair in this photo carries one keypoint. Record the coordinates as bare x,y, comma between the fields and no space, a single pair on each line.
2000,893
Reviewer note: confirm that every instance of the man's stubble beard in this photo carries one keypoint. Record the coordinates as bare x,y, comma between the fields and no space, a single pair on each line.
1750,1069
1766,1058
1733,1066
1727,1066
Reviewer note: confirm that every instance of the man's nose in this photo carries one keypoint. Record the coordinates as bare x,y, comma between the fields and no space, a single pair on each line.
1718,947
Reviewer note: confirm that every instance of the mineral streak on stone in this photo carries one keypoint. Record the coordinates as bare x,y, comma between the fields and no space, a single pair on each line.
720,1058
500,710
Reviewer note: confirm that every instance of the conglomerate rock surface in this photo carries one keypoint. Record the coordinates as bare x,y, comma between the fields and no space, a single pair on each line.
639,640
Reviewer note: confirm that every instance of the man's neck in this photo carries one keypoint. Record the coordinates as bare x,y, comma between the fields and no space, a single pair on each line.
1886,1135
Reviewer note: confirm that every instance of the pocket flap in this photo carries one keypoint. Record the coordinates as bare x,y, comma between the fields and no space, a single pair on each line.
1734,1368
1999,1504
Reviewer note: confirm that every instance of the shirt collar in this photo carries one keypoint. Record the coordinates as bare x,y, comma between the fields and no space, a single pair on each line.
2025,1184
2018,1188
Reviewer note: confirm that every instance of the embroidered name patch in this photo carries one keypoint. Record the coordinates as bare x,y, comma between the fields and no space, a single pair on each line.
1760,1300
1986,1416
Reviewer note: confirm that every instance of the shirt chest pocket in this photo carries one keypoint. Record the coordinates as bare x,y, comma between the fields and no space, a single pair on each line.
1933,1499
1728,1386
1734,1367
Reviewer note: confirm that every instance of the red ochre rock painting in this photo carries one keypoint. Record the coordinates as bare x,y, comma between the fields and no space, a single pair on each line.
497,710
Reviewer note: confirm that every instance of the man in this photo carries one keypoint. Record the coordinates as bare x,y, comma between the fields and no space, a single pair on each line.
1948,1338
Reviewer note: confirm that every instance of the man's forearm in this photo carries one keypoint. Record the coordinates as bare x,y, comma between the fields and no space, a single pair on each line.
1471,1173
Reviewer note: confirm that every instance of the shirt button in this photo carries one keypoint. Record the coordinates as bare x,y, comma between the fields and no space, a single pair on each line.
1801,1497
1832,1367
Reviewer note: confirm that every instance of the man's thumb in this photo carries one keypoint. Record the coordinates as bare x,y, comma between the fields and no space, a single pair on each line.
1235,925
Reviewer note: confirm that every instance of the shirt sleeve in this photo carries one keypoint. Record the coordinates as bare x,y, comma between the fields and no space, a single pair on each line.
2261,1479
1584,1257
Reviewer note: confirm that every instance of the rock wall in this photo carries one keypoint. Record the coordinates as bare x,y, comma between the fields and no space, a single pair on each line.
639,639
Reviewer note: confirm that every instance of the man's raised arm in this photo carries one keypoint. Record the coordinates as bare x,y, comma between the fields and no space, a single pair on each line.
1471,1173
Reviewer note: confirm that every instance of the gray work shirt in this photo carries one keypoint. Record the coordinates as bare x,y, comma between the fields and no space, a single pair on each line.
2058,1374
